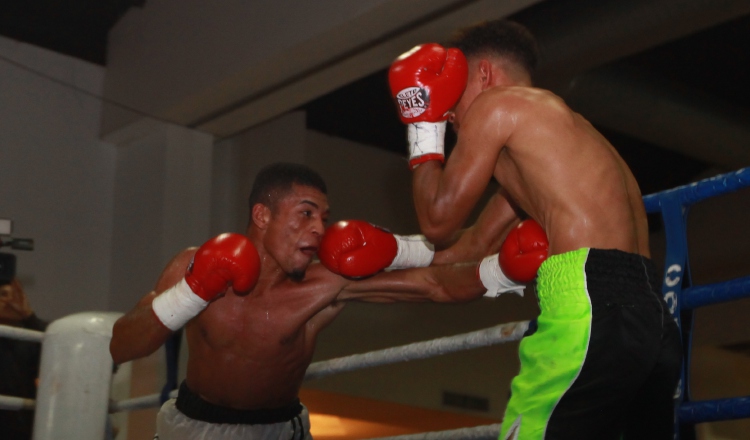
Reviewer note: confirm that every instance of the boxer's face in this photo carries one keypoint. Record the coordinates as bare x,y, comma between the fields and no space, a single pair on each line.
296,228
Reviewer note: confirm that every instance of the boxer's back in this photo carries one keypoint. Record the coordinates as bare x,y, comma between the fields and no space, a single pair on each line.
566,175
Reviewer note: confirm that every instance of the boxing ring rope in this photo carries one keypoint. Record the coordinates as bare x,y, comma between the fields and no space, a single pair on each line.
76,368
16,403
683,297
21,334
420,350
498,334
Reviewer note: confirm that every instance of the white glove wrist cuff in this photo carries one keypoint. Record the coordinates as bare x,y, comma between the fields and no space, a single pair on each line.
177,305
426,138
494,280
413,251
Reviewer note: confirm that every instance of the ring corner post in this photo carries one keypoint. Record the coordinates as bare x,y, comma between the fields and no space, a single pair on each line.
75,375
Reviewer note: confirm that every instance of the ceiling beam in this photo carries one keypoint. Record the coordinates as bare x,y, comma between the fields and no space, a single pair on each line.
298,90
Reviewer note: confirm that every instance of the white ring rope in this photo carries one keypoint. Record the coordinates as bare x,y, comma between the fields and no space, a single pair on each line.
512,331
16,403
21,334
483,432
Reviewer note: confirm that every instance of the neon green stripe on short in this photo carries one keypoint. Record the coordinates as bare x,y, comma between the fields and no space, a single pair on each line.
551,358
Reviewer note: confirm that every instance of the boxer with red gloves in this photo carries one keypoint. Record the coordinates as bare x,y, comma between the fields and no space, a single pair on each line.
606,358
355,249
253,305
228,260
426,83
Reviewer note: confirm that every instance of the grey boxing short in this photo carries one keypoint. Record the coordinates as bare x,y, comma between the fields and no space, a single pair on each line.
189,417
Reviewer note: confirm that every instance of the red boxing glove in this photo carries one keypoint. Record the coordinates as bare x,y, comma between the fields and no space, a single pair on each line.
523,251
356,249
224,261
426,83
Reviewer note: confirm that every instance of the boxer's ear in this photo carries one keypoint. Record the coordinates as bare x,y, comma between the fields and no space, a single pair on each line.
261,215
486,73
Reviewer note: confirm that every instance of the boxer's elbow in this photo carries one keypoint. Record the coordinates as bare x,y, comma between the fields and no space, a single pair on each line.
439,234
440,225
119,355
119,347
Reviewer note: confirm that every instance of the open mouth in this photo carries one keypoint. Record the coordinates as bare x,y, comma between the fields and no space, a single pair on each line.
310,251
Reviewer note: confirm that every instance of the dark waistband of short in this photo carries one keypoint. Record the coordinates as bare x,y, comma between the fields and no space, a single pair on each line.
193,406
608,275
621,275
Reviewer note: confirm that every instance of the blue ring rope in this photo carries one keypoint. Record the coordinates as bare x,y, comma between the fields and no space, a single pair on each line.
682,297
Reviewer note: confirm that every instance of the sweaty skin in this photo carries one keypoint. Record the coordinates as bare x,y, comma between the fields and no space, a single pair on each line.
548,159
251,351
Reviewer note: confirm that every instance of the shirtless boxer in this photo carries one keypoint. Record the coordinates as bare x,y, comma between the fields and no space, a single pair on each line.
606,358
249,346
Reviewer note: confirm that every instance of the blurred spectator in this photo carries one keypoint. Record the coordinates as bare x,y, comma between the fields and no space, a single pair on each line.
19,360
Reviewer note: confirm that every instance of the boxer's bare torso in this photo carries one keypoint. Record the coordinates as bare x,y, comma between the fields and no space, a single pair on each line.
550,161
251,351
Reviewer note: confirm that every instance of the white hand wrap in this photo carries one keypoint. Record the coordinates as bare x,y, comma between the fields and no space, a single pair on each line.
177,305
413,251
494,280
426,139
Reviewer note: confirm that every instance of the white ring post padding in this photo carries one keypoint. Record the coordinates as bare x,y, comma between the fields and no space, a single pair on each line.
483,432
16,403
75,377
22,334
512,331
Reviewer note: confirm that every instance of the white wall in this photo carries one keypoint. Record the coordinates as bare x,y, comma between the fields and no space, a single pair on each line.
238,160
162,203
56,178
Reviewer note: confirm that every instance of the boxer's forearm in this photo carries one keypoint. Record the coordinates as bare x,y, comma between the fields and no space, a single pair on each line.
448,283
137,334
485,236
438,219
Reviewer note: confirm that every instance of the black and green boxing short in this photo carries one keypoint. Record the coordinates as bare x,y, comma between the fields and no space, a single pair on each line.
606,357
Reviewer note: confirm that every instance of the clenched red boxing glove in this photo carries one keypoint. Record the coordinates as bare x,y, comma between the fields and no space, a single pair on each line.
228,260
523,251
426,82
355,249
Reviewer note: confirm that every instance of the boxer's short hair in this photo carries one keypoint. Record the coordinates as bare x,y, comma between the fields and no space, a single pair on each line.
503,38
276,180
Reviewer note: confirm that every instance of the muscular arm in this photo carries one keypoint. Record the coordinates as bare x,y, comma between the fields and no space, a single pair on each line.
444,197
485,236
447,283
139,332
